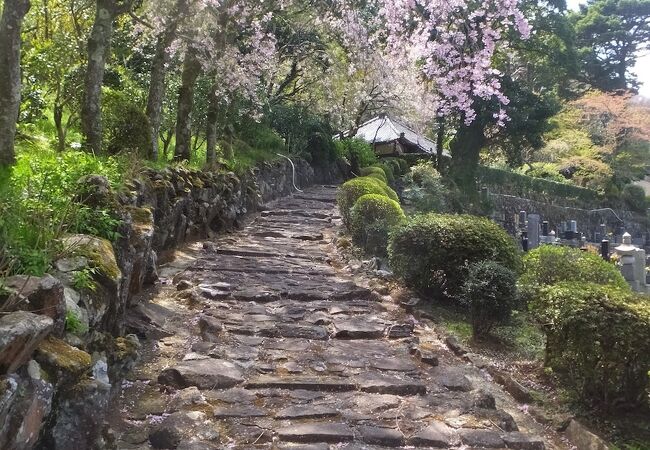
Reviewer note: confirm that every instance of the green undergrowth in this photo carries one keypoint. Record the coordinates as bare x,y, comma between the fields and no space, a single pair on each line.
518,338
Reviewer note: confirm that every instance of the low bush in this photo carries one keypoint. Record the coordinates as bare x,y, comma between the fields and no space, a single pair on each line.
432,252
490,293
353,189
357,151
598,338
375,172
551,264
425,189
372,218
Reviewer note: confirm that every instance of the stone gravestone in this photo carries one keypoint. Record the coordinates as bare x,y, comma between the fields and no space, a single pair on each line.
533,231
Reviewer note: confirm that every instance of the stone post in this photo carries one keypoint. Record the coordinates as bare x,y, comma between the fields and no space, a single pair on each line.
533,231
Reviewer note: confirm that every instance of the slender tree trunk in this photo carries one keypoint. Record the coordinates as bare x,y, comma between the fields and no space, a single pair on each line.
465,151
58,122
13,13
211,129
99,45
191,70
157,91
440,137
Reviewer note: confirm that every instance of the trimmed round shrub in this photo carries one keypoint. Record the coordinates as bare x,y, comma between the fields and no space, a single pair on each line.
490,293
372,218
551,264
353,189
598,339
388,171
375,172
433,252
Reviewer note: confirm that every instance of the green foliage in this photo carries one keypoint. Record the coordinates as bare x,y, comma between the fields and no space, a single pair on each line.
126,126
634,198
394,165
357,151
372,218
83,279
73,324
388,170
586,172
598,337
353,189
40,201
550,264
304,133
528,187
432,252
425,189
490,293
547,171
375,172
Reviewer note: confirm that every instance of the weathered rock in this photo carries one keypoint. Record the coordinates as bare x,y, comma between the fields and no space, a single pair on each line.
512,386
520,441
24,406
171,431
238,411
204,374
209,328
582,438
455,346
381,384
44,296
452,379
436,434
80,413
483,399
388,437
20,333
306,412
301,382
428,357
481,438
359,328
62,359
317,432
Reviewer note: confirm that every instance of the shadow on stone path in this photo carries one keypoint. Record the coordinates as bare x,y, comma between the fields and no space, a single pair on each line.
255,340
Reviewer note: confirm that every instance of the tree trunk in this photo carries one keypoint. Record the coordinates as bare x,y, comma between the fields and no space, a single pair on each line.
99,45
440,137
465,151
13,13
58,122
211,130
191,70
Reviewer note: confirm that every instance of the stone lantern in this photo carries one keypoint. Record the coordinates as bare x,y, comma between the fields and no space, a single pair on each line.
632,263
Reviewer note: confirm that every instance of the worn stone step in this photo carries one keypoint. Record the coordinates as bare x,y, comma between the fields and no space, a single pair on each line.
301,382
317,432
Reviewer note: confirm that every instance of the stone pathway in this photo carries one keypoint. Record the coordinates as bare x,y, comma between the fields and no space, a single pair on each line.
258,340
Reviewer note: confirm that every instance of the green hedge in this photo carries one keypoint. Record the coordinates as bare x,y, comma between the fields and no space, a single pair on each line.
388,171
598,338
432,252
353,189
375,172
372,218
550,264
524,186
